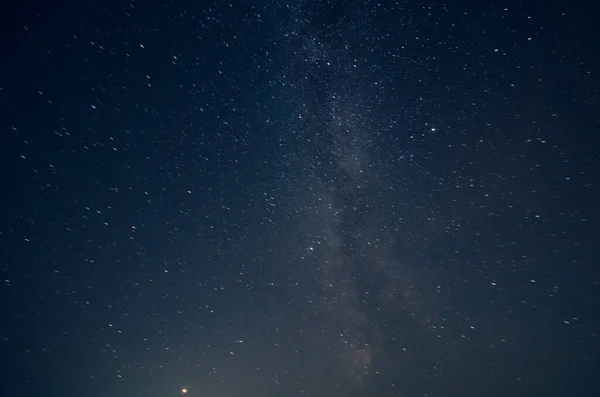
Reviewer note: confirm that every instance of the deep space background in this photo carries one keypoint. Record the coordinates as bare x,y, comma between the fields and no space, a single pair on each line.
299,198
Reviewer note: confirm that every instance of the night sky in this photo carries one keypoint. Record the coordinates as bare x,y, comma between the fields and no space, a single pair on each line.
306,198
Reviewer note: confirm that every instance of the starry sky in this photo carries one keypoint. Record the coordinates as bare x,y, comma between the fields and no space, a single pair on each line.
299,198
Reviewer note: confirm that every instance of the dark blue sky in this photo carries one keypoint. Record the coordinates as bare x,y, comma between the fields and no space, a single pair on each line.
318,198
